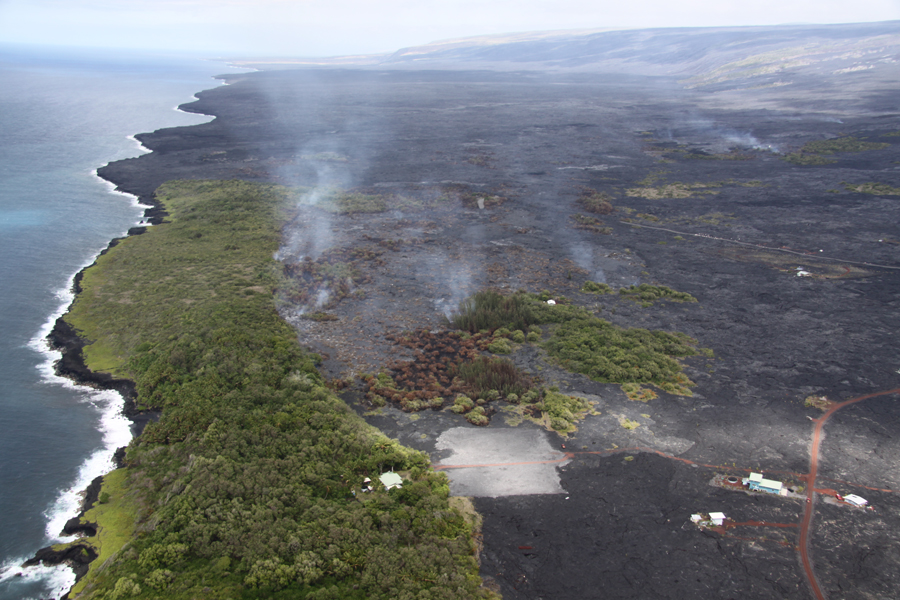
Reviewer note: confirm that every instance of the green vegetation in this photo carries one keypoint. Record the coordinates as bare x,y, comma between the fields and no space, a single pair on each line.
876,189
247,486
637,392
651,293
596,202
610,354
591,224
564,411
817,153
500,346
483,375
672,190
592,287
586,344
491,310
115,518
628,424
644,292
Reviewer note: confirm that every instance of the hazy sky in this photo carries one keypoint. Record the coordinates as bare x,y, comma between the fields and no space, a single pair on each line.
335,27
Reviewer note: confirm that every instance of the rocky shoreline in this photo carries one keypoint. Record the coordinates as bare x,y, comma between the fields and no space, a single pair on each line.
66,340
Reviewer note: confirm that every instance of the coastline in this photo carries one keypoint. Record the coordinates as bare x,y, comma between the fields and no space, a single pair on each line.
65,339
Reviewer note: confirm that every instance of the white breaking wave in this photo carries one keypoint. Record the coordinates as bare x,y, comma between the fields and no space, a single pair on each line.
115,429
144,149
58,579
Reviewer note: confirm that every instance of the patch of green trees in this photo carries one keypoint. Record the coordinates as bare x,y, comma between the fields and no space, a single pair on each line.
248,486
585,344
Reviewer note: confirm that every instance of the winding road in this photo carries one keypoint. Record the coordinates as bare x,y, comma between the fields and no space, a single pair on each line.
810,478
806,523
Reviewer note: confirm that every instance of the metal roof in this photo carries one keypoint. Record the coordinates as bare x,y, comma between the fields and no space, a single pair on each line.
391,480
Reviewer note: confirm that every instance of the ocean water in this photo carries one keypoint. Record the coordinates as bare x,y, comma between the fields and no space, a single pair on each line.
63,114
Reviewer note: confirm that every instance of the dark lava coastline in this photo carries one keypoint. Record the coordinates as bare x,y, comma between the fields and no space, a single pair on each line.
622,528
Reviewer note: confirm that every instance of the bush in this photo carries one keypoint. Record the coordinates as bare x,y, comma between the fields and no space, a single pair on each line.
534,336
651,293
500,346
518,336
592,287
596,202
609,354
559,424
489,310
485,374
477,416
462,404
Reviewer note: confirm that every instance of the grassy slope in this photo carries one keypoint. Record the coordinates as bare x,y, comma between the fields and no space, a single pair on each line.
244,488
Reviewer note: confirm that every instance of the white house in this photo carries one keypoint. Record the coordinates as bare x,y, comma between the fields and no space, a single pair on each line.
391,480
855,500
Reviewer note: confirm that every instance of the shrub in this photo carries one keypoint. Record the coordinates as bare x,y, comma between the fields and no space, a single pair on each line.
609,354
490,310
596,202
485,374
500,346
477,416
559,424
651,293
518,336
534,336
462,404
531,396
593,287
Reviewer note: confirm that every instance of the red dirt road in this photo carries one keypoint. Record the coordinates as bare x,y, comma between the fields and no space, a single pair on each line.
806,523
811,489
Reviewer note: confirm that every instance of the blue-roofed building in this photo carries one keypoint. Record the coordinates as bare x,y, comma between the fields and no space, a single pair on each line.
758,483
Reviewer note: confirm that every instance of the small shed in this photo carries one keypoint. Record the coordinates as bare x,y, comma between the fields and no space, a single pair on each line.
759,483
717,518
855,500
391,480
696,518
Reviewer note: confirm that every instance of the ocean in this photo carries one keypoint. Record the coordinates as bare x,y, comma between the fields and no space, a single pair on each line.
63,113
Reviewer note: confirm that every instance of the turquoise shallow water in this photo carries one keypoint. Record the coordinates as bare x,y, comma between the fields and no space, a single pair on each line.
63,114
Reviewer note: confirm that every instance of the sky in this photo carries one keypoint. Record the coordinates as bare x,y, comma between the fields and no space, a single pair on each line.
302,28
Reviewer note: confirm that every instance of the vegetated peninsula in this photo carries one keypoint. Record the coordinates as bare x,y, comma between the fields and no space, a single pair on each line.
570,289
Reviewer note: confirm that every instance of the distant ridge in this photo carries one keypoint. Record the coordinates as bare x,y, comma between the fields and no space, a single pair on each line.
700,56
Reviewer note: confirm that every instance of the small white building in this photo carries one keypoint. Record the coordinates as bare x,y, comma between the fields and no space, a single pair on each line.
717,518
391,480
696,518
855,500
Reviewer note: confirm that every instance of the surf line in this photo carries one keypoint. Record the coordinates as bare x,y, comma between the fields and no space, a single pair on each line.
773,249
